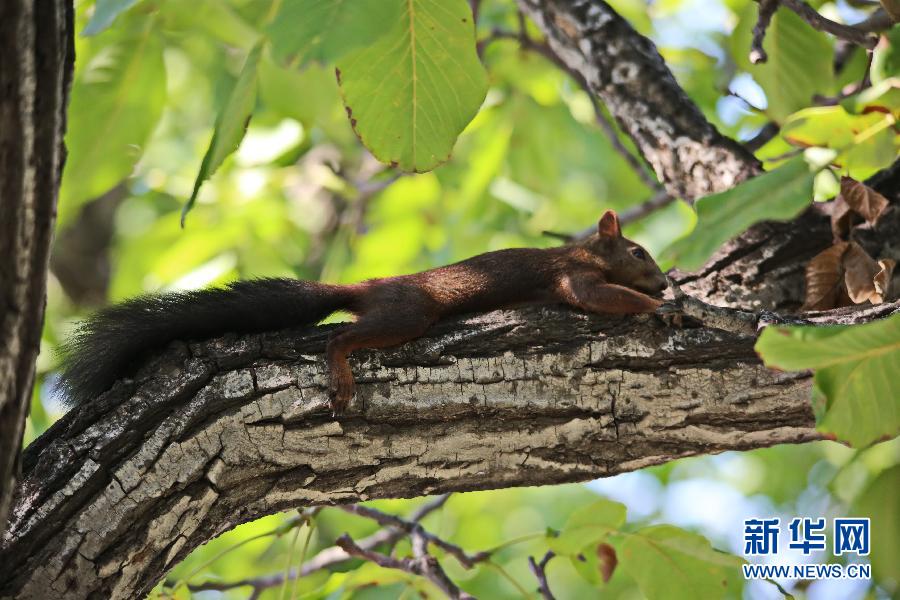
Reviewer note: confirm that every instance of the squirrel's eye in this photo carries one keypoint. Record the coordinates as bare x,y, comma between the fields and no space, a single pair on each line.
638,253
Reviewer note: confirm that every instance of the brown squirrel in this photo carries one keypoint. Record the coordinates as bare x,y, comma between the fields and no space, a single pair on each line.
604,273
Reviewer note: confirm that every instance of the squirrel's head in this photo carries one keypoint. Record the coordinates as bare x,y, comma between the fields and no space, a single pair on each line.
627,263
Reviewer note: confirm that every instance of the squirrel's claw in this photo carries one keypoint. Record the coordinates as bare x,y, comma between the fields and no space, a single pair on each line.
340,392
671,314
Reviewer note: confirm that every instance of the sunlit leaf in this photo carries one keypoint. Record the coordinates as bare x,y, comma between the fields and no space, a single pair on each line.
799,65
588,525
325,30
856,369
117,100
671,563
779,194
231,124
411,93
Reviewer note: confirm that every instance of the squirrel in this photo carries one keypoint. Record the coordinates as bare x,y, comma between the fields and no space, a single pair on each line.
603,273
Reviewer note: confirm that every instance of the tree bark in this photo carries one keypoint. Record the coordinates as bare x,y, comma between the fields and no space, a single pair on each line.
213,434
37,59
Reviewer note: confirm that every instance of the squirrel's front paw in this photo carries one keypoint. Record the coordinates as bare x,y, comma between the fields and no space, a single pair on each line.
671,314
340,392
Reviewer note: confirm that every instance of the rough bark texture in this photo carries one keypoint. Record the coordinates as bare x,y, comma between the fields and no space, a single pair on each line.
690,157
213,434
36,68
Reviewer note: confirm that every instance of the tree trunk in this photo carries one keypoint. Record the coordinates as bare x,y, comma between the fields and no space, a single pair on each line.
37,59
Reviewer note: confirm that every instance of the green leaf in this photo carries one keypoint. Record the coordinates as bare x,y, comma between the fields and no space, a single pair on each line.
117,100
587,525
779,194
856,374
325,30
670,563
879,502
800,62
412,92
865,142
105,12
231,124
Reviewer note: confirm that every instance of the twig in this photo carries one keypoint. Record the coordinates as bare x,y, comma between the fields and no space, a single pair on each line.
728,319
762,137
767,8
877,21
421,564
850,33
539,570
410,527
547,52
660,199
329,557
636,165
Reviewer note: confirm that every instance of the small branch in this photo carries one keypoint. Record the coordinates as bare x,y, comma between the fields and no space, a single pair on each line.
767,8
386,520
892,8
660,199
851,33
547,52
540,572
329,557
636,165
877,21
422,564
729,319
762,137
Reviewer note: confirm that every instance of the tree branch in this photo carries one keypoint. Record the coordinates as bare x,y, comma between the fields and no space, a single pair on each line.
327,558
767,8
212,434
540,572
849,33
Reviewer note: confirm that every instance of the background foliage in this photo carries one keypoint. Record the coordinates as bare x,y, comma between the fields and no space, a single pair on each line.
164,91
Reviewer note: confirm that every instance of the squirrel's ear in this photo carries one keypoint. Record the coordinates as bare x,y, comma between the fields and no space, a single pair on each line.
609,225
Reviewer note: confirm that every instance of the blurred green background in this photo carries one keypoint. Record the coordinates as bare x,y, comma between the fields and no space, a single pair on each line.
302,198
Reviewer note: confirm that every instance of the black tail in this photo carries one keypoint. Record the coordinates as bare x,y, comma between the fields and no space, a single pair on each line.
109,341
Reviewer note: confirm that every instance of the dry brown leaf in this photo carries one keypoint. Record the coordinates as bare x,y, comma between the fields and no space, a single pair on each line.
859,273
863,199
607,560
883,279
825,279
841,216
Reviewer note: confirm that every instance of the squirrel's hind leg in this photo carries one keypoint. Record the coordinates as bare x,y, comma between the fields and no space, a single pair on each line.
375,329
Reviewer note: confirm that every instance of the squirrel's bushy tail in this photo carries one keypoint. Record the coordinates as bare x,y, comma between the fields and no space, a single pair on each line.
109,341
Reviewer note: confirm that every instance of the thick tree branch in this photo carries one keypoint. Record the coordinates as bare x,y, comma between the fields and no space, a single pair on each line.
212,434
625,70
